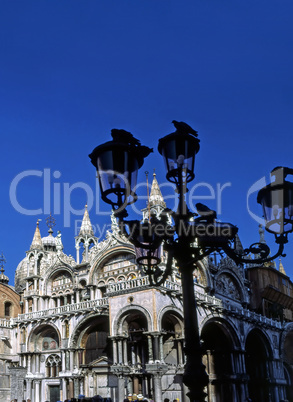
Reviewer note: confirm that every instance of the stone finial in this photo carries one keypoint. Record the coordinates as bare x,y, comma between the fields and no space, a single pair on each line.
37,240
86,225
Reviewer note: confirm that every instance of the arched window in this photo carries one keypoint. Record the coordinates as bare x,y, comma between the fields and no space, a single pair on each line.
53,366
7,309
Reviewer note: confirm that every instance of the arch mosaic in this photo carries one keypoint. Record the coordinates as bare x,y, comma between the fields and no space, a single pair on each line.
43,338
170,310
83,326
105,256
53,273
117,323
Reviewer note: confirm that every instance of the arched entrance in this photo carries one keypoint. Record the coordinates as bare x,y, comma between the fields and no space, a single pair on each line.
220,361
95,341
135,325
257,357
172,339
288,364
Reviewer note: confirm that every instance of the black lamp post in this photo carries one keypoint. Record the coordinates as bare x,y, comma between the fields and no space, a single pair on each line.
191,236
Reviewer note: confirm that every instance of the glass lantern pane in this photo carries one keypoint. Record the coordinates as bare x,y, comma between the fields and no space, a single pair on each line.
278,207
148,257
117,171
272,203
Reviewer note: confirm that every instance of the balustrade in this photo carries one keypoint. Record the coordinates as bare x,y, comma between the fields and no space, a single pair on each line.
67,309
32,292
5,323
137,283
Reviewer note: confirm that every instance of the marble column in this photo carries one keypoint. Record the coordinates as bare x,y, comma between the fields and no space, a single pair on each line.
28,389
63,360
71,352
76,387
81,386
77,296
125,357
158,388
67,360
37,391
26,308
29,363
71,392
156,347
161,348
120,354
37,362
121,388
114,351
86,383
133,357
150,349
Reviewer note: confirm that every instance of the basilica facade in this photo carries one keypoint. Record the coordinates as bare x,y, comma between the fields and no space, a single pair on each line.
93,324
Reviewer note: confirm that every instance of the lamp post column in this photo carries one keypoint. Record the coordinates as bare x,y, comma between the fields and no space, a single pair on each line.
195,376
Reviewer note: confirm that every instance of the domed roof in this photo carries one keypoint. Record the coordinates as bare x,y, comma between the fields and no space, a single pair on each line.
49,240
4,278
20,275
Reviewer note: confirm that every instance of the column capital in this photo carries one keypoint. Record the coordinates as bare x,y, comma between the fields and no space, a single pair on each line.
153,333
118,337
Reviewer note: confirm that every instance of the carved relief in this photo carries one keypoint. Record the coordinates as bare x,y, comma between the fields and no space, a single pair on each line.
228,287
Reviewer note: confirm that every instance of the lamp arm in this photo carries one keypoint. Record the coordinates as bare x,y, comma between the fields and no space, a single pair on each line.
256,248
155,279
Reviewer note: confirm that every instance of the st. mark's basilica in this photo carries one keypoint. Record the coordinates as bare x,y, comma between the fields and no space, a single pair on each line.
93,324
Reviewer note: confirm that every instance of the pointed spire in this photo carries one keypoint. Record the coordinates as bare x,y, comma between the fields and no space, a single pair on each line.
37,240
281,267
156,197
261,232
3,278
86,225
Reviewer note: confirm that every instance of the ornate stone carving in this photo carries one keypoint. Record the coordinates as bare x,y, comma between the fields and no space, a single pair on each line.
227,287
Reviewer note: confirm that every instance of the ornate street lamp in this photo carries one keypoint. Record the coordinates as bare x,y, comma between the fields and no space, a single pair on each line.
277,202
117,163
191,236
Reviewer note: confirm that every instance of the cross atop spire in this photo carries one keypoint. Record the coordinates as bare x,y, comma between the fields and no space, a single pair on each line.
3,278
2,263
37,240
50,222
86,225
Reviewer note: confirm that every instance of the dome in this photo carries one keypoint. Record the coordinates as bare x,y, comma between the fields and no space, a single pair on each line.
20,275
49,242
3,278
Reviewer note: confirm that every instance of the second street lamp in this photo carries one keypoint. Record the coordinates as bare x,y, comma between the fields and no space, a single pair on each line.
186,236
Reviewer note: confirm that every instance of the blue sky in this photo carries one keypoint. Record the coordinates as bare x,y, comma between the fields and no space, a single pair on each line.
71,71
